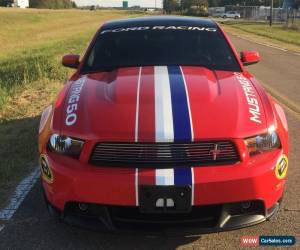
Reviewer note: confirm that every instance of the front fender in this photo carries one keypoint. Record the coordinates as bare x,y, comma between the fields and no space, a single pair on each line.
45,127
281,123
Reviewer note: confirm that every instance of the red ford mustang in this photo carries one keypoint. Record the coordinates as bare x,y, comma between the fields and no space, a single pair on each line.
162,124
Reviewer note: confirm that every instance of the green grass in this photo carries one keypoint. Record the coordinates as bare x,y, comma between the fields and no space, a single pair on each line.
36,64
277,31
32,43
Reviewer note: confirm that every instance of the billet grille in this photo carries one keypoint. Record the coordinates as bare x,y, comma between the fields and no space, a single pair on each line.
164,154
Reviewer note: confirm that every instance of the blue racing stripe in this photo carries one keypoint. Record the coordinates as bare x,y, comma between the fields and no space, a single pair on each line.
181,121
182,176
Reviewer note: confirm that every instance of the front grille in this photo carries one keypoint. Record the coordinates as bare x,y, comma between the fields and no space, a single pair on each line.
164,154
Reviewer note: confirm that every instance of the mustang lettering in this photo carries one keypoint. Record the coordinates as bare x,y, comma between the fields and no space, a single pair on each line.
250,94
73,102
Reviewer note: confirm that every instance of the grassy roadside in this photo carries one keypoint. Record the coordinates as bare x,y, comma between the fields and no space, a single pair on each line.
32,41
31,45
261,32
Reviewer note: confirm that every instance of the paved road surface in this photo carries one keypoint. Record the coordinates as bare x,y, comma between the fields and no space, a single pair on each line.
31,227
278,69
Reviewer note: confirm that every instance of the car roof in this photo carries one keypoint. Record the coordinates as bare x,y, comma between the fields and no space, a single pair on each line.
160,20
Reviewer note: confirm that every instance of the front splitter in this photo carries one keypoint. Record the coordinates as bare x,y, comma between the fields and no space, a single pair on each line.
105,223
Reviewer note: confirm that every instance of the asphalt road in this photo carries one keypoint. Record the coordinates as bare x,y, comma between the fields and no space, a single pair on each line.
32,228
278,69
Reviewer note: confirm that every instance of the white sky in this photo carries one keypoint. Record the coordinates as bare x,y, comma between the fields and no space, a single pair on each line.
118,3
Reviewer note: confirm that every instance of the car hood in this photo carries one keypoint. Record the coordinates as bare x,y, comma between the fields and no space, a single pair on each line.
152,104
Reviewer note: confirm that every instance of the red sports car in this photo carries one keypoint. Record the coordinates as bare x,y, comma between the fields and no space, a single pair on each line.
161,124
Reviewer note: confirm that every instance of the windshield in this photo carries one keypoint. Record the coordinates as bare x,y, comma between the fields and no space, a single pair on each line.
126,47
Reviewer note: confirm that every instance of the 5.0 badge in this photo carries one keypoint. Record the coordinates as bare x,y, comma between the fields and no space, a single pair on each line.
281,167
47,174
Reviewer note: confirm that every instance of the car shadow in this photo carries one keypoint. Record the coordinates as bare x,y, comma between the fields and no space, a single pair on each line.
18,152
33,228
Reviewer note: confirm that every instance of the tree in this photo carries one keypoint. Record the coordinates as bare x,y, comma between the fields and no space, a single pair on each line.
214,3
201,4
5,2
170,6
51,4
186,4
296,4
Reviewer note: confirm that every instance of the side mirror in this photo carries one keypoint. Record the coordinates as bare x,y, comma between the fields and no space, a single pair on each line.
71,61
250,57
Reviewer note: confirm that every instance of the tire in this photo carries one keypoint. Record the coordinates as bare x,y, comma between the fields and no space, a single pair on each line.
224,17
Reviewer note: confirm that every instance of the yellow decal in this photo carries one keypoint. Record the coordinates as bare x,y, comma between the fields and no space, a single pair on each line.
281,167
45,169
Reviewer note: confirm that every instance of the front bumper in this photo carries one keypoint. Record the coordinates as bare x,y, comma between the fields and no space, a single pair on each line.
216,188
202,219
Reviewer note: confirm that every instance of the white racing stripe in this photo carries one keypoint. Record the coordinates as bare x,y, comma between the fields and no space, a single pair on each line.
164,177
192,130
1,227
164,130
19,195
136,134
136,186
163,106
188,104
193,186
137,106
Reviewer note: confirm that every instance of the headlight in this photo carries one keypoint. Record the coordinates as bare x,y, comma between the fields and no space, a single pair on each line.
65,145
262,143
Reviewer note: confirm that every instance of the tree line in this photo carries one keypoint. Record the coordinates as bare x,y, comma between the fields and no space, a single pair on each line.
52,4
44,4
187,5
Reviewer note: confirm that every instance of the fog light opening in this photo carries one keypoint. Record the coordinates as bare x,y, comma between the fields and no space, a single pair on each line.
246,205
83,207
